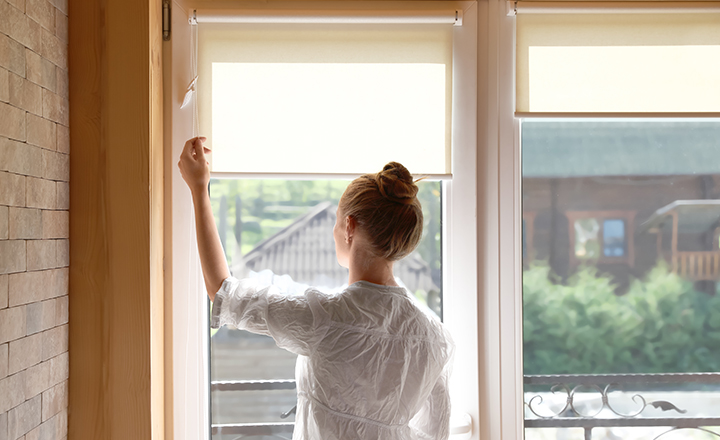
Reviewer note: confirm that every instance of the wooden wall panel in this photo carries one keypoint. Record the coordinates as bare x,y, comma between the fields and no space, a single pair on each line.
116,383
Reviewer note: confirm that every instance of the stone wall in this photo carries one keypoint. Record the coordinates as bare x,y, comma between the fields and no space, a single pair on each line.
34,212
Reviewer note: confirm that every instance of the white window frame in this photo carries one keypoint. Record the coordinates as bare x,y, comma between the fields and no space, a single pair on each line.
482,248
499,229
506,422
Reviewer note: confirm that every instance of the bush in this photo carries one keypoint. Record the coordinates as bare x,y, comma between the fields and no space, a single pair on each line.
661,325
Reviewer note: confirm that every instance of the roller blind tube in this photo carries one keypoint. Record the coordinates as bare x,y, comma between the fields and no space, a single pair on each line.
269,16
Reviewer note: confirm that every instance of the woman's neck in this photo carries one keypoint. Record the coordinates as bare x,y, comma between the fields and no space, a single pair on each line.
366,267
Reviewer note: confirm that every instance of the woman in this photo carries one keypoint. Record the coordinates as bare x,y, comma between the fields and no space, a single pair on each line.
371,365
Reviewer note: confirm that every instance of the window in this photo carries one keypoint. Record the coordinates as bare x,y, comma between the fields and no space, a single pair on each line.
601,236
285,226
489,366
603,321
629,204
301,78
456,192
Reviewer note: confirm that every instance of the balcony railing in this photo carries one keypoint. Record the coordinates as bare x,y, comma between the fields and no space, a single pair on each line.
576,390
273,430
697,266
571,413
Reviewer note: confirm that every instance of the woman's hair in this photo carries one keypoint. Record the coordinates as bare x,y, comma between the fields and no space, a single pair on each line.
385,205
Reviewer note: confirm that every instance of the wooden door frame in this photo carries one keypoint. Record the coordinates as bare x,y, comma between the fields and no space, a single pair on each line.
116,220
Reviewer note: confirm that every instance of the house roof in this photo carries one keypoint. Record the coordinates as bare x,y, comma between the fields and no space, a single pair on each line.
580,148
305,250
694,216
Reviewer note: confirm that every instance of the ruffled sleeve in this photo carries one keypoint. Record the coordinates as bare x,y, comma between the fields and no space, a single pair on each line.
291,320
433,419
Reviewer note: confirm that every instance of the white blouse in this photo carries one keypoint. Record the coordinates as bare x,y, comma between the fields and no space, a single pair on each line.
371,364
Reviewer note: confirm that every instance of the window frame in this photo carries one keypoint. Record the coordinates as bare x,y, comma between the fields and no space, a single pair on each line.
187,335
588,7
499,225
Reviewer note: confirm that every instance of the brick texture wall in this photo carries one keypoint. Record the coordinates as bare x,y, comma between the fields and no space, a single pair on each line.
34,203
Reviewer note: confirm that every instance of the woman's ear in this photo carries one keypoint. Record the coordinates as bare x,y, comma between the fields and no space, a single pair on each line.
349,228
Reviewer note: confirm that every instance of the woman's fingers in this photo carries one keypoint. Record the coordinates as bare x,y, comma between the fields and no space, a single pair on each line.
199,150
189,149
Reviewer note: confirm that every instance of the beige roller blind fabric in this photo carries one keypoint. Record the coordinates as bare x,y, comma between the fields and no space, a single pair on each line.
321,99
640,62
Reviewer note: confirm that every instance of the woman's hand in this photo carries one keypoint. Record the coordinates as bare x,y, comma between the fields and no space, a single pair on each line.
194,166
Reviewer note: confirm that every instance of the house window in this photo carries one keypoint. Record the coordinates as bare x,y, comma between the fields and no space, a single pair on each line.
453,235
615,144
600,236
498,228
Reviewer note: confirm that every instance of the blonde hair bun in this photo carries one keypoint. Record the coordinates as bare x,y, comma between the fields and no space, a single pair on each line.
396,183
386,207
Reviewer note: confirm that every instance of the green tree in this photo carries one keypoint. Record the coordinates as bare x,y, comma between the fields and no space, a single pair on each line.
661,325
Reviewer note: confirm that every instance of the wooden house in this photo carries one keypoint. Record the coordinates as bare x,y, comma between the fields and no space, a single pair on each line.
699,259
621,195
305,250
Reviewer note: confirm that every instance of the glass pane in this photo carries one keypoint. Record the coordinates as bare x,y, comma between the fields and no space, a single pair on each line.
614,238
621,302
586,238
284,227
253,406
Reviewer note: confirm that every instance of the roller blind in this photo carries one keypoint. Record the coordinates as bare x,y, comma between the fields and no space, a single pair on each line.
325,98
640,62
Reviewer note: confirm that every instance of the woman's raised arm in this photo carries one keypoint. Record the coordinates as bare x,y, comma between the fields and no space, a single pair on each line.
195,169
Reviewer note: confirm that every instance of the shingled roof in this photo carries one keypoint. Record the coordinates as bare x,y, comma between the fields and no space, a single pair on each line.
305,250
620,148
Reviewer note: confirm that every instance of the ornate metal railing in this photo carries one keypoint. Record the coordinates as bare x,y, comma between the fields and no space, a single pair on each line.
572,414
